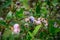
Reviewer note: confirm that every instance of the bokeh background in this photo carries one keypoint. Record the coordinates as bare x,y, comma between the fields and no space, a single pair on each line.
32,19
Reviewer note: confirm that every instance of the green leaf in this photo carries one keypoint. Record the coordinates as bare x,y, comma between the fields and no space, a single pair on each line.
3,23
19,14
43,34
57,30
36,29
9,16
25,3
38,10
30,34
6,4
54,2
44,11
51,27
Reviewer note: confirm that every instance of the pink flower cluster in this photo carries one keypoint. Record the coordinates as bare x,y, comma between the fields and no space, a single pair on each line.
42,20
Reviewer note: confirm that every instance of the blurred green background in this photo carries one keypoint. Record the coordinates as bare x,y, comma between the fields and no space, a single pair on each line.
15,11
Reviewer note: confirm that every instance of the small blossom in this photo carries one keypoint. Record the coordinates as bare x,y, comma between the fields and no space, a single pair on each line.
16,29
32,19
16,26
37,22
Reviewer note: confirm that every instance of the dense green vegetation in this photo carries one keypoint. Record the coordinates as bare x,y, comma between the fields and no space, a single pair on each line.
29,19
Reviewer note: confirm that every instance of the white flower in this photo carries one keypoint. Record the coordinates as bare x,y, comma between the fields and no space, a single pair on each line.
16,29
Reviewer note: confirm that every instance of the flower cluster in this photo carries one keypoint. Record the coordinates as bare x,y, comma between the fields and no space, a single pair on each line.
37,21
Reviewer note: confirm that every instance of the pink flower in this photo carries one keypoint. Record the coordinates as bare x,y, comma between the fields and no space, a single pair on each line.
16,26
37,22
16,29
